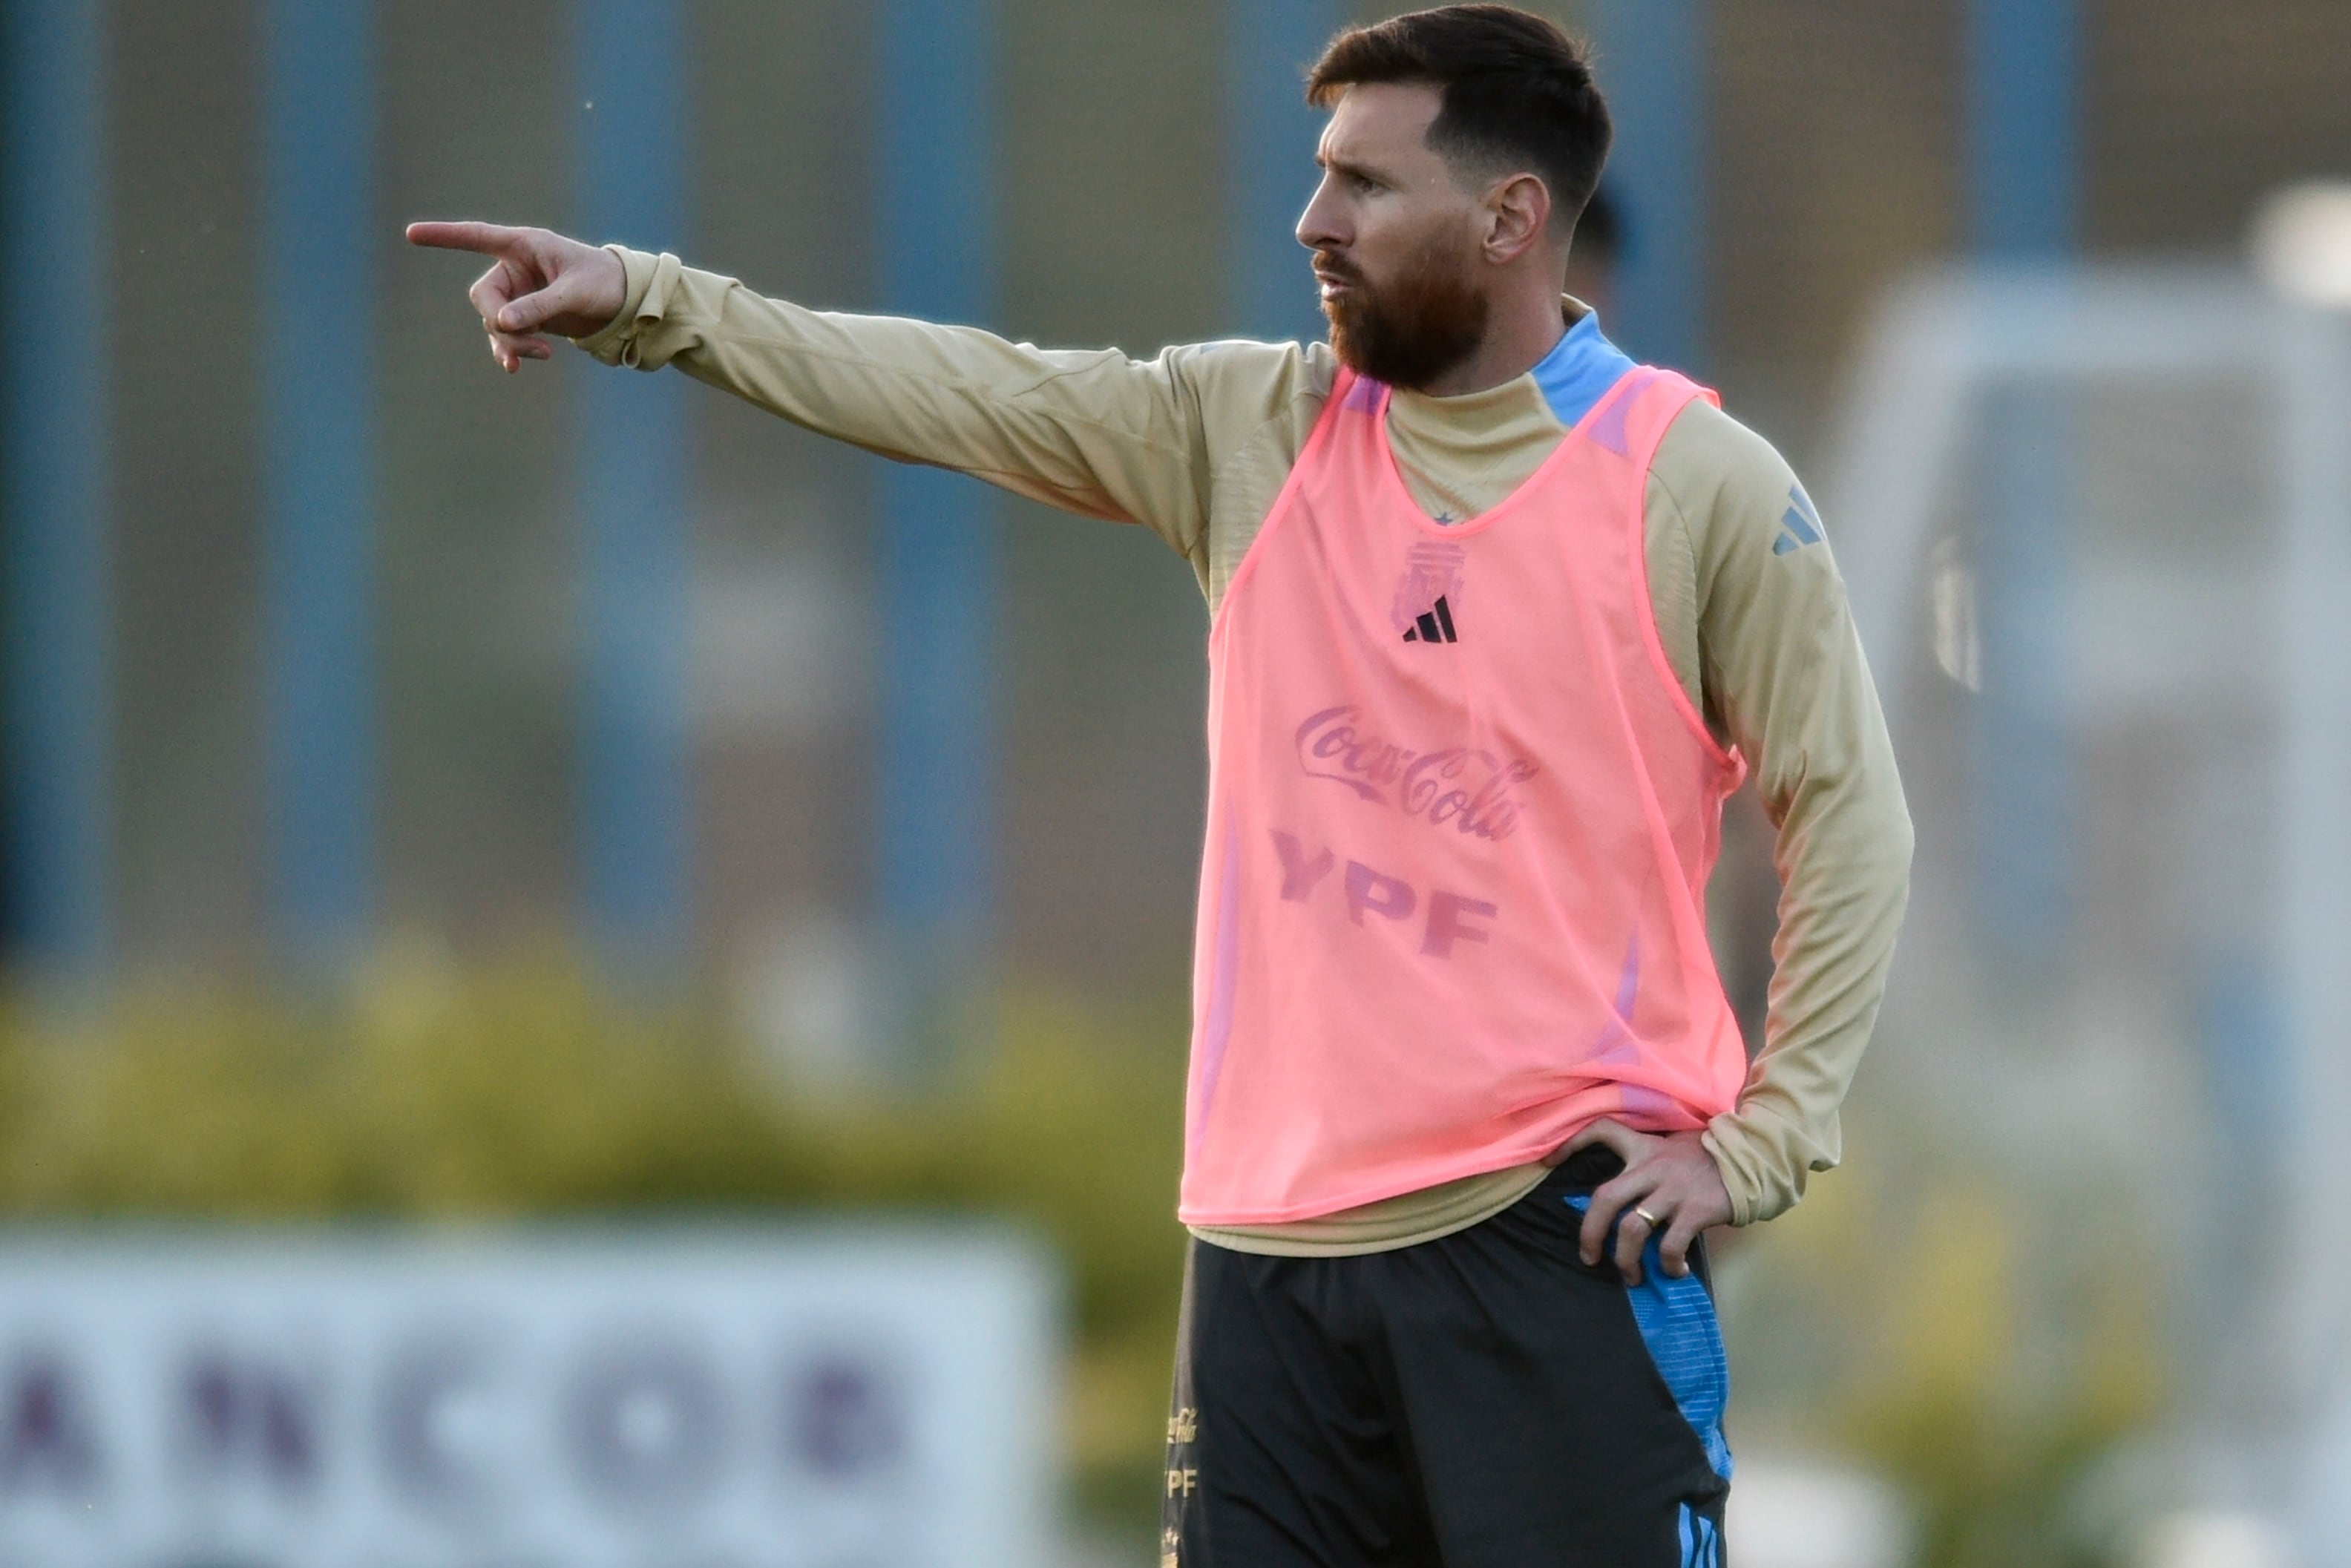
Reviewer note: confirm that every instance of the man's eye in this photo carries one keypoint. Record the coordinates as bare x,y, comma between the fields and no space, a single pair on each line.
1364,183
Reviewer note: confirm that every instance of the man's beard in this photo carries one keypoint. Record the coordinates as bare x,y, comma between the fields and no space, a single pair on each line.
1407,333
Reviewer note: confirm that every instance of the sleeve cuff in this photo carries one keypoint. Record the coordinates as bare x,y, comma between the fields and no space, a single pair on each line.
651,279
1763,1182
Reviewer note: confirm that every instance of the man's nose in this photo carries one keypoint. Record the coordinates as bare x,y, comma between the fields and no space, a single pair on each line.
1318,227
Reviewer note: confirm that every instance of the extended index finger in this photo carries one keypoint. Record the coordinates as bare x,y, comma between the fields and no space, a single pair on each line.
485,239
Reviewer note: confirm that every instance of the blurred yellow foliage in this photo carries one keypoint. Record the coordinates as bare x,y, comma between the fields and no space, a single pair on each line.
532,1089
1981,1346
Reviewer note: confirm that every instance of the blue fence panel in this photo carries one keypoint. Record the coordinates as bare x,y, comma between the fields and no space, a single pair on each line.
54,439
938,747
634,805
320,475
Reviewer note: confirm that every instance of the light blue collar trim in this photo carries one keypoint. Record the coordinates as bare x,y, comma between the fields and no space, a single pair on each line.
1578,373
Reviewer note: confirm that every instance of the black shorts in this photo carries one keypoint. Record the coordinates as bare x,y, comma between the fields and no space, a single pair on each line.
1484,1400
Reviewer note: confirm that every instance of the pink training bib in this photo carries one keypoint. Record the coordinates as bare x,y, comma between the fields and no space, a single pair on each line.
1460,820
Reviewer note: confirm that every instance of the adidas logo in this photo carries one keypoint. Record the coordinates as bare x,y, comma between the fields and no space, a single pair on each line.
1799,526
1435,624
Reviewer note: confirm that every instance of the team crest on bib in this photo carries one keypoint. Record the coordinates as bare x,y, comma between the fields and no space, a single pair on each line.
1429,594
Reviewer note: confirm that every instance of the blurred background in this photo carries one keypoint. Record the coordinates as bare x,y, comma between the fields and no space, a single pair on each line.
547,859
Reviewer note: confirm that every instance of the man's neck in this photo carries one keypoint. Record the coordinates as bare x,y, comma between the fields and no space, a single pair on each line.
1522,331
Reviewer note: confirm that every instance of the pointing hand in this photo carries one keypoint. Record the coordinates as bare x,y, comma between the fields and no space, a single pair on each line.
542,282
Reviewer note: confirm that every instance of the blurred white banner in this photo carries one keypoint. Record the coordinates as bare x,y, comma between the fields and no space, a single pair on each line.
753,1399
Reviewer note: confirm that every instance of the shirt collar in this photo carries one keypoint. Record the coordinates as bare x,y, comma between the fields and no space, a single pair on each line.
1579,369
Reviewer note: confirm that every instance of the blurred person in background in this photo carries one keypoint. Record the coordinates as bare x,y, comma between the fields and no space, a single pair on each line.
1498,618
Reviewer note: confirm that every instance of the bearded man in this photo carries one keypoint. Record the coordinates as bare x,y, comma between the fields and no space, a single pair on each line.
1498,618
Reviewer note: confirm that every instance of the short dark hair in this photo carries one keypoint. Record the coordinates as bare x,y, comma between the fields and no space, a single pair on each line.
1516,89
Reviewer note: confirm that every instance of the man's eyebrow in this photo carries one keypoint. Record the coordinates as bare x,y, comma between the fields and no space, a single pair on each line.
1349,166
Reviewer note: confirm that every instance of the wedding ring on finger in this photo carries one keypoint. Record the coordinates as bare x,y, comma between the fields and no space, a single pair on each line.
1653,1221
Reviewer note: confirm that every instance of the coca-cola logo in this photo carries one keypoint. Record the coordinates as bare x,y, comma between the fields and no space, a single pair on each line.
1463,787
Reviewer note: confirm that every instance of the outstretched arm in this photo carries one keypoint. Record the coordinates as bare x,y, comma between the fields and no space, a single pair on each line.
538,281
1088,431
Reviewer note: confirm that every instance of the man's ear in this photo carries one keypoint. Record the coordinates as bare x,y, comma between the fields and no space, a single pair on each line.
1518,213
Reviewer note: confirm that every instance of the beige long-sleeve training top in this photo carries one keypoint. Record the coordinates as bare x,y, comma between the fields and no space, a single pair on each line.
1194,445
